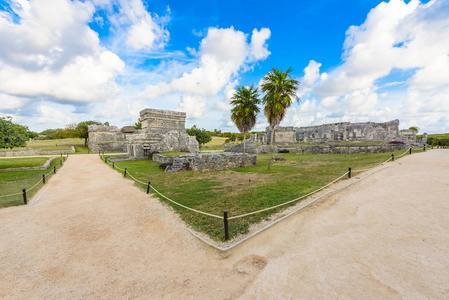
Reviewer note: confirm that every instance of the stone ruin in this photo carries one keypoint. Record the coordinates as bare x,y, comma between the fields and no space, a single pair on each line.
341,132
162,131
344,137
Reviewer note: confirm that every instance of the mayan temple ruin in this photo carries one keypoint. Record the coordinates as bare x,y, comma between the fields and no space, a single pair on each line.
340,132
162,131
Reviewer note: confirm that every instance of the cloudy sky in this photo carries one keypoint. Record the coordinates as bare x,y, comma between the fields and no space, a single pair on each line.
64,61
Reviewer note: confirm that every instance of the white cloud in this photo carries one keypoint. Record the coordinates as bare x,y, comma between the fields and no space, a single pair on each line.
57,54
223,54
259,47
48,114
8,102
193,105
410,37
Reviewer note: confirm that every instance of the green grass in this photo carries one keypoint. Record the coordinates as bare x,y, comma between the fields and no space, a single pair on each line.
174,153
6,163
12,182
216,141
60,144
231,190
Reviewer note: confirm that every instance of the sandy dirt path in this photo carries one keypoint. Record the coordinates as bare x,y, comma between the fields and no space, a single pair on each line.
92,234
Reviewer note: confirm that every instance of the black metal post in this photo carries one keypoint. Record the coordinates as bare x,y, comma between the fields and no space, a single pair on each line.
54,169
410,150
24,193
148,187
99,153
43,178
113,165
60,162
226,229
392,157
124,173
424,148
349,172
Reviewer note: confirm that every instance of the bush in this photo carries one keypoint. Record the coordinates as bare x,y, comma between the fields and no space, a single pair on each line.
283,151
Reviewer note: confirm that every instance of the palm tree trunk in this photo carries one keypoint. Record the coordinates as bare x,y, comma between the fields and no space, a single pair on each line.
244,139
271,148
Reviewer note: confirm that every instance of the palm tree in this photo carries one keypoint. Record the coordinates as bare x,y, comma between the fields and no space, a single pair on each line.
245,109
279,90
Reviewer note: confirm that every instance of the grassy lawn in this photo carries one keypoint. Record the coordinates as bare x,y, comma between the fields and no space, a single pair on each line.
60,144
6,163
233,191
12,182
216,141
174,153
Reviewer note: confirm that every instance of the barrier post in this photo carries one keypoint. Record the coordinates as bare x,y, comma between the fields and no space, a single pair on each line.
54,169
148,187
410,150
124,174
392,157
60,162
424,149
349,172
61,154
113,165
24,193
43,178
99,153
226,229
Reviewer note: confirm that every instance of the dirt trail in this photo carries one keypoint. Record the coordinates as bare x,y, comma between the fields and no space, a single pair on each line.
91,233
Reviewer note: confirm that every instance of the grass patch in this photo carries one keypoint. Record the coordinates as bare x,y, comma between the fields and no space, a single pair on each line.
60,144
12,182
216,141
232,190
174,153
6,163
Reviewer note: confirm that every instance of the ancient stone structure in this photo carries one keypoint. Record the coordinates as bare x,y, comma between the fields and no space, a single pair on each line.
162,131
106,138
34,152
343,132
204,162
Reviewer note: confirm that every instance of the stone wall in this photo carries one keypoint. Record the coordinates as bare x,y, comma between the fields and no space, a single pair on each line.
162,121
345,131
348,149
35,152
255,148
105,138
205,162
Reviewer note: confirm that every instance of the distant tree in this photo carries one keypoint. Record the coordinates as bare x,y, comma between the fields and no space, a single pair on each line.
106,124
32,135
200,134
245,109
82,129
414,128
12,134
279,90
138,125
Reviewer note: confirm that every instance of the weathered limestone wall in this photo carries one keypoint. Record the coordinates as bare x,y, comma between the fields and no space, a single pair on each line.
348,149
345,131
105,138
205,162
35,152
162,131
162,121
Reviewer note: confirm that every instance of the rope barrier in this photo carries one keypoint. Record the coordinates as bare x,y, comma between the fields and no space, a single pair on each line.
144,183
10,195
34,185
283,218
186,207
285,203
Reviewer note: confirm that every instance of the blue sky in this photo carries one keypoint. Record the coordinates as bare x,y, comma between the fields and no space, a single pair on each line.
64,61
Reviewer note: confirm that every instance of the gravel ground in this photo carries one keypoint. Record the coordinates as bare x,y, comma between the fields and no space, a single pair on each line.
89,233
